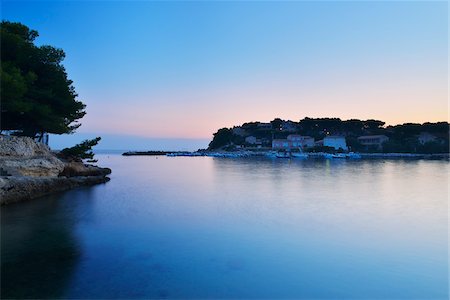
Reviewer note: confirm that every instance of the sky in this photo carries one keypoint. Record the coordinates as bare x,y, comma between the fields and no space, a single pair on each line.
180,70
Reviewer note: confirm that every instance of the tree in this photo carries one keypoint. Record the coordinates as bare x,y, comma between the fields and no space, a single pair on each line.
80,151
36,95
222,137
373,126
276,123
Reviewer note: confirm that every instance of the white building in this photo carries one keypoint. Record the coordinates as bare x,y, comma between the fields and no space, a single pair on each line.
373,141
293,141
281,144
300,141
336,142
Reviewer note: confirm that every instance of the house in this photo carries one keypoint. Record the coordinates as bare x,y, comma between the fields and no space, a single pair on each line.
318,143
336,142
293,141
301,140
425,137
375,141
254,141
281,144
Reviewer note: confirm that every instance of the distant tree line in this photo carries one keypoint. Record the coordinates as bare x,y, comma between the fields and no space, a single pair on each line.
402,138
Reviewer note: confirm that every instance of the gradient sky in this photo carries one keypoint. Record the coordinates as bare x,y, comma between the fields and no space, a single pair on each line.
185,69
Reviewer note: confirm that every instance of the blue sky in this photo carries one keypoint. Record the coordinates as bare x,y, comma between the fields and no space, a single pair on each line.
185,69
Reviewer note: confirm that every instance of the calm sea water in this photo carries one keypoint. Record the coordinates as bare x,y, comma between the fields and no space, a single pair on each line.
235,228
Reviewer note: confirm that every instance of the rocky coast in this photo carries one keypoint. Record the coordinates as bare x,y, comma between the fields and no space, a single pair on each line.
29,170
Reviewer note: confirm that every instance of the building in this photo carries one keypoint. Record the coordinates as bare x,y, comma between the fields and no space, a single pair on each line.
425,137
301,141
373,141
336,142
281,144
293,141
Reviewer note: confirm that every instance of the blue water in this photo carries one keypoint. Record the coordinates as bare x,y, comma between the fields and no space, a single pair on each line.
204,227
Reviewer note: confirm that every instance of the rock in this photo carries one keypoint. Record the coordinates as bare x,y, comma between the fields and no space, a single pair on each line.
72,169
29,170
22,146
23,156
32,166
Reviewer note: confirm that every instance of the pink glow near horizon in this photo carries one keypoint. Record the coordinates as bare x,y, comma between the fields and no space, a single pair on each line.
199,113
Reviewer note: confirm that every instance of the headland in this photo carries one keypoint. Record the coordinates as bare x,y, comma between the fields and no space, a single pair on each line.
28,170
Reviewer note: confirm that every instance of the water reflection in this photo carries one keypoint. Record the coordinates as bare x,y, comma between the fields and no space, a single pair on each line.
40,250
235,228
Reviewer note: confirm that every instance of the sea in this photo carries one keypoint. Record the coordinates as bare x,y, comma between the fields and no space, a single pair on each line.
235,228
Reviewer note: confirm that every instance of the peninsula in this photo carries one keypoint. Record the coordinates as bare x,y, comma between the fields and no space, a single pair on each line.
331,135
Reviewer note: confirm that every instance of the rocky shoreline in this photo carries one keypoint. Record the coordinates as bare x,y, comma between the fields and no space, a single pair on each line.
29,170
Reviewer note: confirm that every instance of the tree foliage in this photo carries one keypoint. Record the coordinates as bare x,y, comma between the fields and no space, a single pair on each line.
276,123
36,95
222,137
80,151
